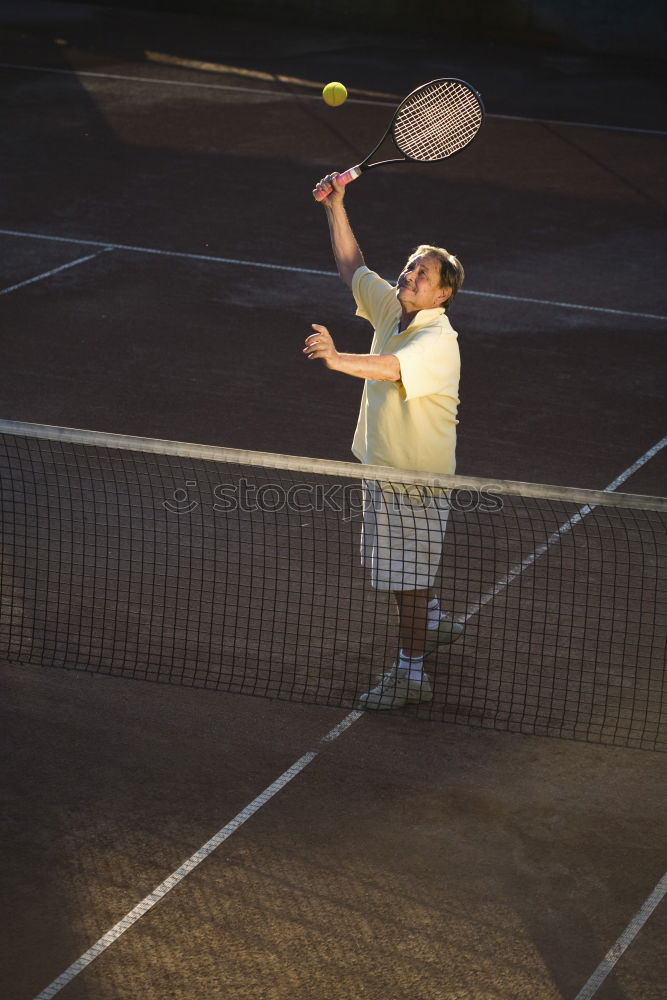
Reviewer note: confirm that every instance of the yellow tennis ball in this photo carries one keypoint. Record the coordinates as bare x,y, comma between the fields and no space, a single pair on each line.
334,94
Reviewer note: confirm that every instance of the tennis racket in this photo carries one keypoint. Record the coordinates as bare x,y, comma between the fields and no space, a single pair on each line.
435,121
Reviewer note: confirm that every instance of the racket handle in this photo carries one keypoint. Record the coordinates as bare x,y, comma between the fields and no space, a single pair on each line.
345,178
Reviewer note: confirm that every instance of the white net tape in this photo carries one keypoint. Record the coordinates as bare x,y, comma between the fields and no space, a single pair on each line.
438,120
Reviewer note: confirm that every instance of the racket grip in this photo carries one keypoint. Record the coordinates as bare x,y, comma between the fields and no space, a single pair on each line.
344,178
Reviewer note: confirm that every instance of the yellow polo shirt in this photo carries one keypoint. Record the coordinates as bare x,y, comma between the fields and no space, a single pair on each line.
410,424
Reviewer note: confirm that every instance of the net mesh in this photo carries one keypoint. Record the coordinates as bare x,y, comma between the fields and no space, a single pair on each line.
438,120
241,572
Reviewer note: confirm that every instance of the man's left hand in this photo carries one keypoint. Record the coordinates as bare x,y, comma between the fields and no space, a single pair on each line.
320,345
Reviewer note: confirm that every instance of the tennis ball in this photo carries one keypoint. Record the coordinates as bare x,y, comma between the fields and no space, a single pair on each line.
334,94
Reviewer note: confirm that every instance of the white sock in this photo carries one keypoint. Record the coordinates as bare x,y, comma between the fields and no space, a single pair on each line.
413,664
434,614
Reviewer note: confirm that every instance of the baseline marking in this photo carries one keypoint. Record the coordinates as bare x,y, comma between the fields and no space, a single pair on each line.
240,71
607,964
372,98
55,270
211,258
146,904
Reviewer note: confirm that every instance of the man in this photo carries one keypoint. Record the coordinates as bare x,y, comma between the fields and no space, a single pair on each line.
407,420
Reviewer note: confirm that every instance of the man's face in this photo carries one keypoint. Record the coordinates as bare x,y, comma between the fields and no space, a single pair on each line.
418,286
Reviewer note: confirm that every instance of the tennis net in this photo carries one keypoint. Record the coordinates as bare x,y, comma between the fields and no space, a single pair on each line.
240,571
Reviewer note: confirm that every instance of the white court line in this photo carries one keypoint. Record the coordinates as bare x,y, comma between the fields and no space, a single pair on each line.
55,270
564,305
169,253
281,94
630,471
389,102
211,258
554,121
177,876
590,988
564,529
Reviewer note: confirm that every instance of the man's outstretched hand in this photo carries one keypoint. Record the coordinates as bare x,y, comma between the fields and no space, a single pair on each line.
320,345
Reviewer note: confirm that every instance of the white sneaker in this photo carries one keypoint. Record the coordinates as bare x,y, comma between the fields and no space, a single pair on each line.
447,631
397,689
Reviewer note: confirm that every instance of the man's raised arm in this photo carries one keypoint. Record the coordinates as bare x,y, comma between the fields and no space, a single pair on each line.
346,250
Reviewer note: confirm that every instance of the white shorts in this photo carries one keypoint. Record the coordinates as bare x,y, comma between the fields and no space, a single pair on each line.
401,536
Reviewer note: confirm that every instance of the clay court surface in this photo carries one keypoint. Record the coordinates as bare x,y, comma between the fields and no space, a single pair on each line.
162,260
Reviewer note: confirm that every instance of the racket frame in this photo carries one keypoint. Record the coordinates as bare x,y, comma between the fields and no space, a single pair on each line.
360,168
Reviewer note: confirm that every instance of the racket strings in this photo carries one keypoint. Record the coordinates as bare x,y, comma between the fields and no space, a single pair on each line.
437,121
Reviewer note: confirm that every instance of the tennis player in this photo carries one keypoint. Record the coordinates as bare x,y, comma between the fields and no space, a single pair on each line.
407,420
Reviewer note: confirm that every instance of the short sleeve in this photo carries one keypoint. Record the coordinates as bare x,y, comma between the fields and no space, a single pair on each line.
375,297
430,364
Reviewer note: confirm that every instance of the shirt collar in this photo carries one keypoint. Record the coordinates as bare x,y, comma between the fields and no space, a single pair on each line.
423,318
